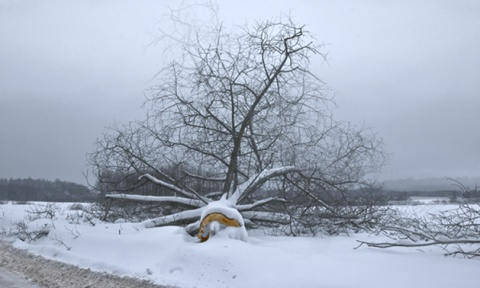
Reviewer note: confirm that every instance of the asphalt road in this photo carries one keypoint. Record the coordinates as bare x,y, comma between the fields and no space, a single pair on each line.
12,280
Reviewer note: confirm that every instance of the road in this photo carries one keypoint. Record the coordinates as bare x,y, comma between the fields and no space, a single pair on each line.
12,280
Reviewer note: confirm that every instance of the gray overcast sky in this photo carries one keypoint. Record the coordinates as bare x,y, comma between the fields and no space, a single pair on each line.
409,69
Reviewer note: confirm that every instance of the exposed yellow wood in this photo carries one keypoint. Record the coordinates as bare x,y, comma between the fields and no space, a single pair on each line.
216,216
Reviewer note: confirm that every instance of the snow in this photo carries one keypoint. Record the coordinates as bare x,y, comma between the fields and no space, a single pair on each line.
225,207
144,198
169,256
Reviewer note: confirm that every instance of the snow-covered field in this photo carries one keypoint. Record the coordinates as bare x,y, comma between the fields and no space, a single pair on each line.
169,256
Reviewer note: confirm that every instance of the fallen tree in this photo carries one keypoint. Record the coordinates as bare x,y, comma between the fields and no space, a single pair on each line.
239,113
194,217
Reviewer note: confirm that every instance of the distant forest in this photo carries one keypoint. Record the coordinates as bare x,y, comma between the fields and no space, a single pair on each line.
43,190
61,191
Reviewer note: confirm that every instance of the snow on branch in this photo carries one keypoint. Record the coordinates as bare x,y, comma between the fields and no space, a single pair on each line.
174,188
224,213
415,244
183,217
258,180
156,199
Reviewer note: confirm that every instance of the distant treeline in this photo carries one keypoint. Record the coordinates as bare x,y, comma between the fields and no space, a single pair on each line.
453,195
44,190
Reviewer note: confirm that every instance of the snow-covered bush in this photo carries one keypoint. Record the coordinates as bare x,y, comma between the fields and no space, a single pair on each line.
29,232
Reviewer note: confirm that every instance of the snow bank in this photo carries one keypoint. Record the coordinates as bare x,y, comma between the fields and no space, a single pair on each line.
169,256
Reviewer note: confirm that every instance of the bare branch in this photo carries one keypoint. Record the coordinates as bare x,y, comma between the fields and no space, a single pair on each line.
200,177
414,244
451,230
259,203
175,188
157,199
258,180
262,216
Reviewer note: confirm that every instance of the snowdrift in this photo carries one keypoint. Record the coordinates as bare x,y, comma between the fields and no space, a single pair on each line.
170,256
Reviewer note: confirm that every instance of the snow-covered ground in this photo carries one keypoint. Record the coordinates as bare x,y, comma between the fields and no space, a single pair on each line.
169,256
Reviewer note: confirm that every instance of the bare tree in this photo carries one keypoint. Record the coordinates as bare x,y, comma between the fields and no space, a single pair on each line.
240,111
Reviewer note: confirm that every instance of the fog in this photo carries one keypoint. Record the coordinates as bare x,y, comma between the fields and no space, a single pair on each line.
409,70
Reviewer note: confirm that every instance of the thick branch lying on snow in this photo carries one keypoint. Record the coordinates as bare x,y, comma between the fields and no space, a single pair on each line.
258,180
143,198
175,188
183,217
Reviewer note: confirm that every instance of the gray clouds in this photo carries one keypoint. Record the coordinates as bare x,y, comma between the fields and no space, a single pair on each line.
68,69
418,83
410,69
